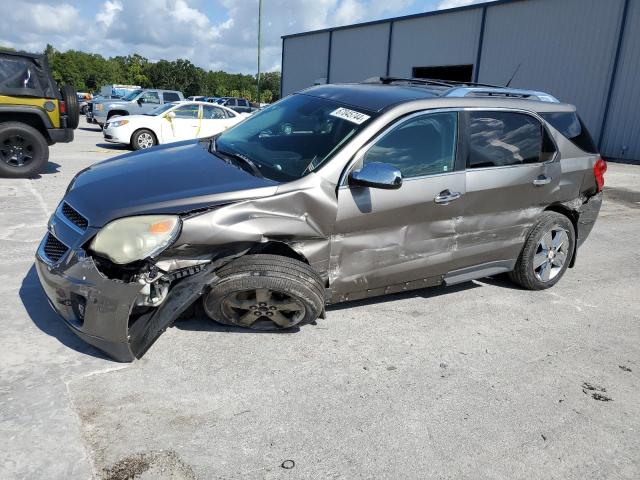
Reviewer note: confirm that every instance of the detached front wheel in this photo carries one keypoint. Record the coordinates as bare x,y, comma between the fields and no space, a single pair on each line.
265,292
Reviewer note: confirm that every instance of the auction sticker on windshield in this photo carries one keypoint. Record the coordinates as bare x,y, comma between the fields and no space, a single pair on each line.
350,115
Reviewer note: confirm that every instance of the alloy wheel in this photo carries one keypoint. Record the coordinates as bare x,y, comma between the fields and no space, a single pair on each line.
16,151
551,254
262,309
145,140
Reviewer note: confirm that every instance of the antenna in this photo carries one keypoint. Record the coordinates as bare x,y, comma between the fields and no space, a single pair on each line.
513,76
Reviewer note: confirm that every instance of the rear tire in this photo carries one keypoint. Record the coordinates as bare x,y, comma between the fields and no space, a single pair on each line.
23,150
70,98
265,292
547,253
142,139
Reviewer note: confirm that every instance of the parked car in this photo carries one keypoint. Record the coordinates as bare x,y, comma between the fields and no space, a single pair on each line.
83,101
34,113
240,105
135,103
212,99
117,90
170,122
337,193
196,98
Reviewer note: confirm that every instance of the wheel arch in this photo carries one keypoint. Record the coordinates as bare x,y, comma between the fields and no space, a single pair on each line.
274,247
155,134
116,112
29,116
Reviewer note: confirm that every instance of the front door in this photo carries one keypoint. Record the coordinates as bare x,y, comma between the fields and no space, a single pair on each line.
146,102
387,238
183,124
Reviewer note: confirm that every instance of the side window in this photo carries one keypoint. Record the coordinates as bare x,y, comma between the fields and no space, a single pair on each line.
212,113
150,97
425,145
243,103
187,111
498,139
231,102
230,114
170,97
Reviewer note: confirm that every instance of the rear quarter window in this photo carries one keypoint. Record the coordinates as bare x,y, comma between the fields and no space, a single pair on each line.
571,126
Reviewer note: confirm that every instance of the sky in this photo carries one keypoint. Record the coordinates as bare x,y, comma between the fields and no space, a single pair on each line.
213,34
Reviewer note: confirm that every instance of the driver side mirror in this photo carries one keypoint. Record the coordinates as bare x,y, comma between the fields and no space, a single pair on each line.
140,101
171,115
377,175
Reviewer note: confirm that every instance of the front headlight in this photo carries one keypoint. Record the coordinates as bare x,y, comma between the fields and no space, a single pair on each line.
99,106
118,123
136,238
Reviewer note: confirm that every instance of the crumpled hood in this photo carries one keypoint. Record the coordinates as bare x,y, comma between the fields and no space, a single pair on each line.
174,178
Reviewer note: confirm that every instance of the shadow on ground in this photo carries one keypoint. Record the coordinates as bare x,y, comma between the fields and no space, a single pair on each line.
425,293
198,321
49,168
42,315
113,146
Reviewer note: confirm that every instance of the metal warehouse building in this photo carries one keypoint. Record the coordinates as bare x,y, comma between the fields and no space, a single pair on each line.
585,52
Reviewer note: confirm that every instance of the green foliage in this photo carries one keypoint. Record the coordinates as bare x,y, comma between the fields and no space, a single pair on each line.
88,72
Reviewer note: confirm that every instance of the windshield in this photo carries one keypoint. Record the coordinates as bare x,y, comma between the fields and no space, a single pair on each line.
161,109
293,137
130,96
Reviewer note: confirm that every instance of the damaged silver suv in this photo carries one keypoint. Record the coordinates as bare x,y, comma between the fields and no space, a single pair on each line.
336,193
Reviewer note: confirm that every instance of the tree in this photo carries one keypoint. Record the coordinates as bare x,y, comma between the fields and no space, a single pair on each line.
88,72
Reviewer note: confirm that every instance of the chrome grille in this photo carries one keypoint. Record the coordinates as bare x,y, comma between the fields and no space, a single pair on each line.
54,249
74,216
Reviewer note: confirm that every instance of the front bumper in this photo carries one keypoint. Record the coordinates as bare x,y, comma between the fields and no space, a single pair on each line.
95,308
116,135
99,309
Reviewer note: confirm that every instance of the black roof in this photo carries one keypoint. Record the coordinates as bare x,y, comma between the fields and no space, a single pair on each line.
371,96
35,56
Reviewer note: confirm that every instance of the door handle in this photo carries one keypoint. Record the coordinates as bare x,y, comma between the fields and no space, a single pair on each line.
542,180
446,196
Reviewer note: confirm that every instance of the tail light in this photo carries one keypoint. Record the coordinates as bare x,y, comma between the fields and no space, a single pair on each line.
63,108
598,171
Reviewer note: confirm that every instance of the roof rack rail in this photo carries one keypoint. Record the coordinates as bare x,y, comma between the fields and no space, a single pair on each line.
428,81
469,89
502,92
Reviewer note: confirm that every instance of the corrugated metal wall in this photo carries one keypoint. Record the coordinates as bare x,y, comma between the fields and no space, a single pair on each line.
447,39
566,47
622,135
359,53
304,59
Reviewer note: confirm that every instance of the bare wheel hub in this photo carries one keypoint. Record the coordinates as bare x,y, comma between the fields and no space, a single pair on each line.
262,309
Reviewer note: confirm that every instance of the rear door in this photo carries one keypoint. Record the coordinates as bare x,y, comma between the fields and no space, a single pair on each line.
512,174
214,120
168,97
385,238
